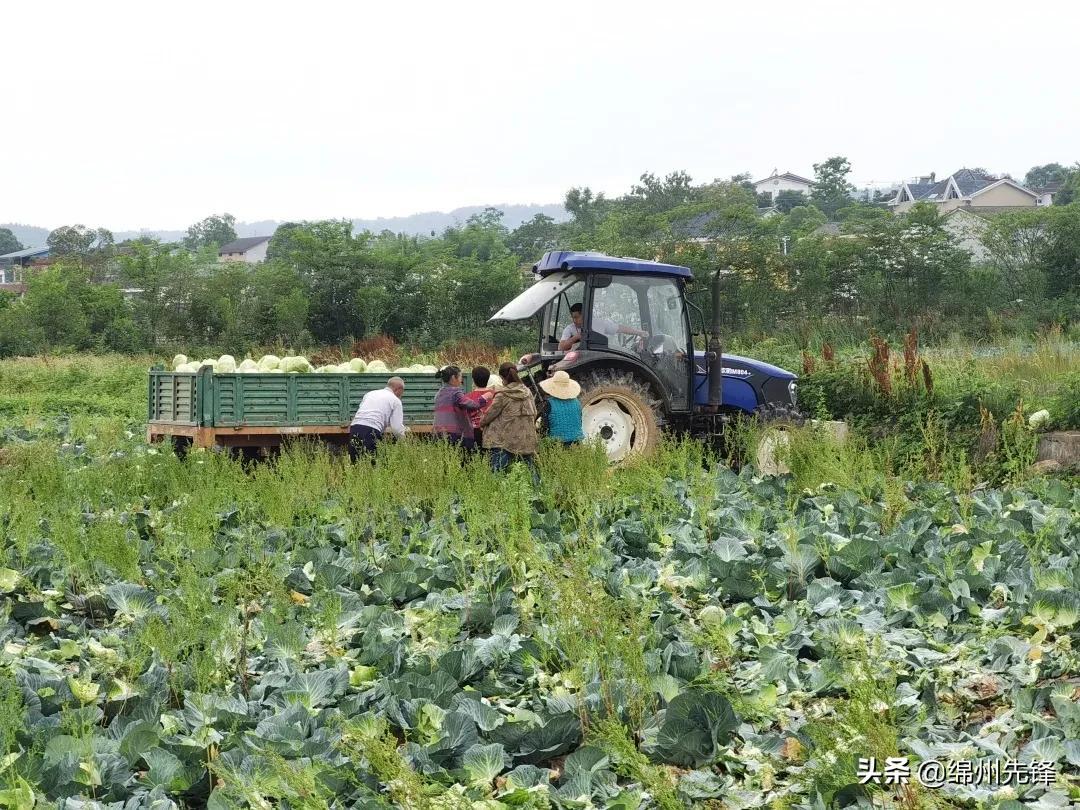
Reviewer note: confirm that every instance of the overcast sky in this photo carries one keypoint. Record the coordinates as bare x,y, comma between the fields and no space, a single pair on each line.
156,114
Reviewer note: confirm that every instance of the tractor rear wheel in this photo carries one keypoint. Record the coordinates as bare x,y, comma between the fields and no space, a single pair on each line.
621,411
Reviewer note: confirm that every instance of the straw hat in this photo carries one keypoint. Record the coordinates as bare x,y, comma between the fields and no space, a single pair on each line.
560,386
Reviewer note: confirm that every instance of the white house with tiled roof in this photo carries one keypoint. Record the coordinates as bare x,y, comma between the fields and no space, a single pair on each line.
250,249
775,183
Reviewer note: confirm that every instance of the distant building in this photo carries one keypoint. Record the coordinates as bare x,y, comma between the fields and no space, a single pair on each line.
250,249
775,183
1046,193
967,226
966,188
12,264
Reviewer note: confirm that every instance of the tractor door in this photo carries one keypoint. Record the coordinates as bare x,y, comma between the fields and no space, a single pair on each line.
668,345
623,305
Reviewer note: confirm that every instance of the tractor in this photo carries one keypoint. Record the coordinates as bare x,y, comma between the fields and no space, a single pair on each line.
622,328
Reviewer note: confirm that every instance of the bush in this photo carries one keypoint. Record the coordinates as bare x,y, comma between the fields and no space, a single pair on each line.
1065,410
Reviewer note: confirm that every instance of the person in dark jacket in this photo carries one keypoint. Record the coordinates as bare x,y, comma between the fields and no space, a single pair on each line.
563,408
452,409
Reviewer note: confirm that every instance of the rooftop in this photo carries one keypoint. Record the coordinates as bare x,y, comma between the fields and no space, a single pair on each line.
25,253
242,245
786,176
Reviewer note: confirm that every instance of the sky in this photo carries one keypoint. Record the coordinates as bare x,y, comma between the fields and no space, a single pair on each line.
135,115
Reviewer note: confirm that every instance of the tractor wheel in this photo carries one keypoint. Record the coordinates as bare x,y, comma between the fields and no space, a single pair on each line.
775,421
621,411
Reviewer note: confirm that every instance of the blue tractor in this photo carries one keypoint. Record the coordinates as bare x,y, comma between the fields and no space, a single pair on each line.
622,328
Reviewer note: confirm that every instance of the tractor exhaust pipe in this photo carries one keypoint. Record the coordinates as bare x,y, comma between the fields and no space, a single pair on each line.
714,354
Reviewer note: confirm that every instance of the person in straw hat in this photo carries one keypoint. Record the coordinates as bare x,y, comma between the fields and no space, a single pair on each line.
563,409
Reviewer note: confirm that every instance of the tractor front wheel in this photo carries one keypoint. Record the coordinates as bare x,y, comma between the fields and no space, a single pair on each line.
621,412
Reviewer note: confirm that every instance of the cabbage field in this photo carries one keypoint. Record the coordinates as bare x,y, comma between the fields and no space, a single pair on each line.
418,633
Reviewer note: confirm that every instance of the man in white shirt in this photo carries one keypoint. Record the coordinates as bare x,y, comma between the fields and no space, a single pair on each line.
571,335
379,411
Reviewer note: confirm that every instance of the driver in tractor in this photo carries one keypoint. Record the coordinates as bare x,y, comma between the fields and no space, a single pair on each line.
572,333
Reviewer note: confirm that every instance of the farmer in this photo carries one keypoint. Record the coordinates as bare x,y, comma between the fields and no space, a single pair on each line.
482,394
510,424
452,409
379,410
563,408
572,333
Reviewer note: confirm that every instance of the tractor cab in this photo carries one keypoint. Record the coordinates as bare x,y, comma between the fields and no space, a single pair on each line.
622,313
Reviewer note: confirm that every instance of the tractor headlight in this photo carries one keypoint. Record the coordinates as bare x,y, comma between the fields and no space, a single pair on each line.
792,389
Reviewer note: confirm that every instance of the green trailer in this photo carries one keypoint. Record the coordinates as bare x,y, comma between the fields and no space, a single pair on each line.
204,409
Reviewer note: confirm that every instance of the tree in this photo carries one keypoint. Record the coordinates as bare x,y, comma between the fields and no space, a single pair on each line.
530,239
585,209
656,195
78,240
832,191
1041,176
214,230
1016,242
786,200
903,263
802,220
8,242
1070,190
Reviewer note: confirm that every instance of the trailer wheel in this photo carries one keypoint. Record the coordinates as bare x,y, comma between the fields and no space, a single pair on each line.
621,411
181,445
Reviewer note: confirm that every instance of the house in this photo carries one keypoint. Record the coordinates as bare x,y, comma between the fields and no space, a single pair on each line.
775,183
967,226
12,264
1047,192
704,228
250,249
966,188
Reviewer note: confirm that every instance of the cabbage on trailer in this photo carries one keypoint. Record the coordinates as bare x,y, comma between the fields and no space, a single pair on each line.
207,409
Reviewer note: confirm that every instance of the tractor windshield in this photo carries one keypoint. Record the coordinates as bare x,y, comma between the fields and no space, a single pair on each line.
536,297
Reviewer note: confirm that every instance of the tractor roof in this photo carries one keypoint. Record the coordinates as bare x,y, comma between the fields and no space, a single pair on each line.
556,260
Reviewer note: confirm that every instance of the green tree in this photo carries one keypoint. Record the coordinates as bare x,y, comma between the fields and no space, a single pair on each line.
786,200
63,311
902,265
832,191
214,230
8,242
78,240
1040,176
166,277
802,220
530,239
1070,189
655,195
1016,242
1061,257
858,217
586,210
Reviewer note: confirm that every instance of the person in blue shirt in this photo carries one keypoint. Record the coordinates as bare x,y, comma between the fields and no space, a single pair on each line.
563,411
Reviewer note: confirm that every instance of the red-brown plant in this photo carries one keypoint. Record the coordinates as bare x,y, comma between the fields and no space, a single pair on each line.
379,347
879,365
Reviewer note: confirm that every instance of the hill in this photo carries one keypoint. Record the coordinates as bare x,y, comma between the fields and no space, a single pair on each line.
421,224
28,235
